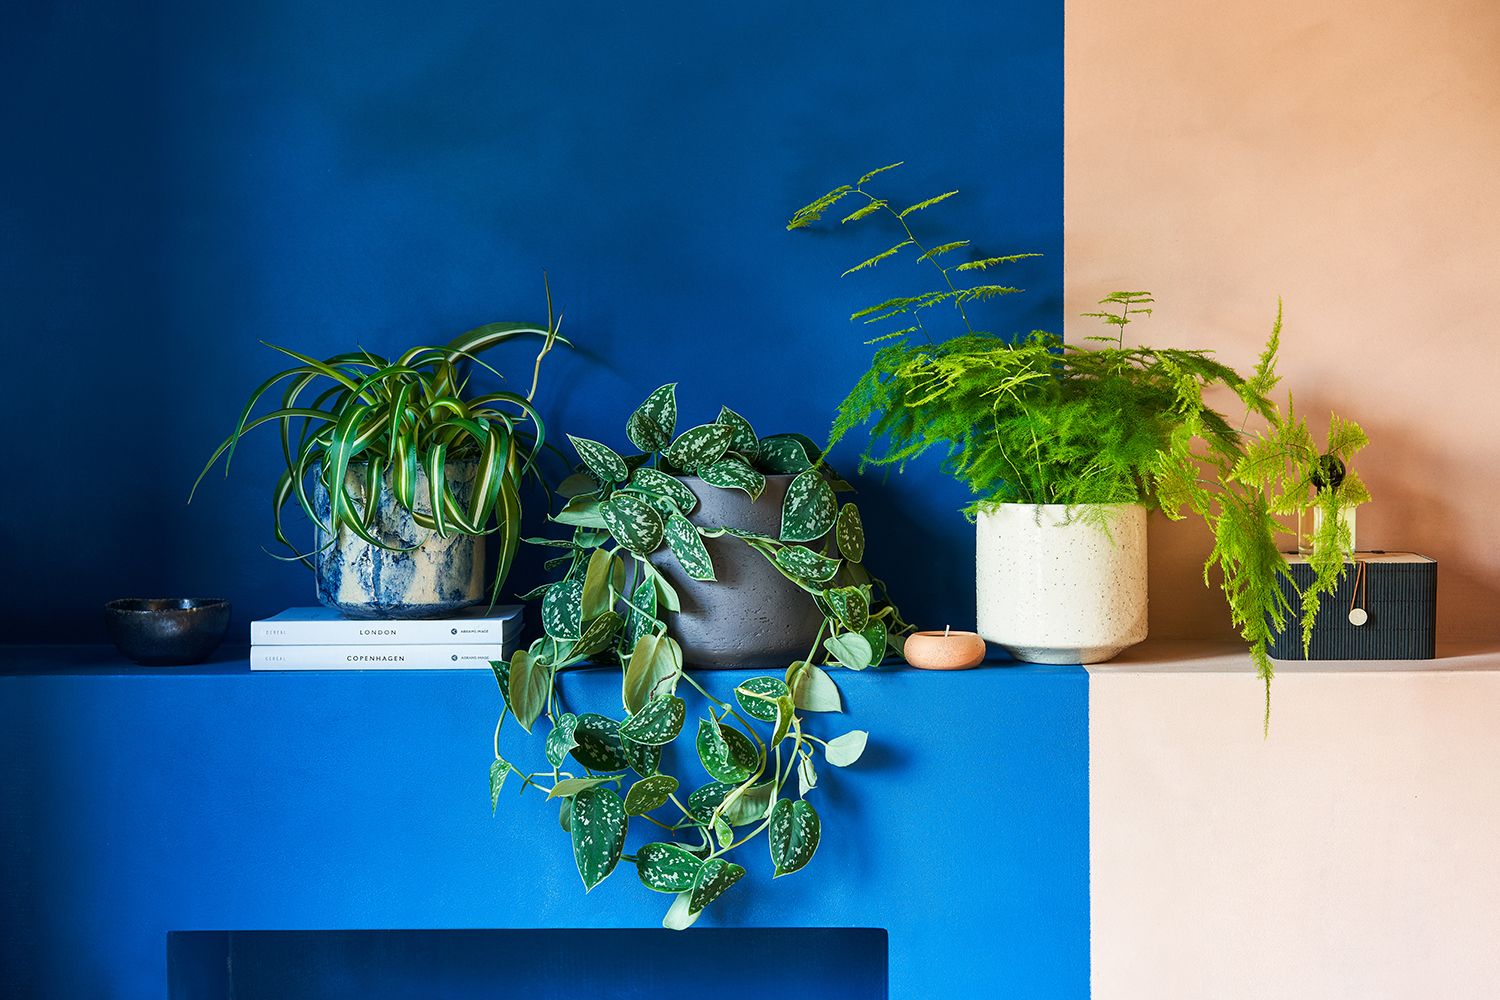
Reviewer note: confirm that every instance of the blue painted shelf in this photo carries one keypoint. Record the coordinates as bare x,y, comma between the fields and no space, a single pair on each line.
143,802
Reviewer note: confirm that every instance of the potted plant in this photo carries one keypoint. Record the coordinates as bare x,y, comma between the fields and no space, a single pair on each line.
668,548
1066,447
403,471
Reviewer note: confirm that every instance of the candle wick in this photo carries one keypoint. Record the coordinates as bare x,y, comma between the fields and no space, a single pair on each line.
946,630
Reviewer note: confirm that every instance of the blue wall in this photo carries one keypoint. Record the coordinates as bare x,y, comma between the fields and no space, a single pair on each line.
184,179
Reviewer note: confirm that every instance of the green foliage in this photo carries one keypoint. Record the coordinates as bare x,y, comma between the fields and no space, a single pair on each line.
611,604
359,415
1036,421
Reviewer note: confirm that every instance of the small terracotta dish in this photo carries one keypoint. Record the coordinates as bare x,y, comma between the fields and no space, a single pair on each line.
946,650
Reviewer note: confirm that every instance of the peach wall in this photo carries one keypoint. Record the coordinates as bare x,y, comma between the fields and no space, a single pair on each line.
1346,156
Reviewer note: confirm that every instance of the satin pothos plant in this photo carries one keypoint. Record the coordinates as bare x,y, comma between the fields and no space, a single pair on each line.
755,749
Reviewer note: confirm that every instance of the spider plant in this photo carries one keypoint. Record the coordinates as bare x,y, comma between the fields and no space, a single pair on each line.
391,418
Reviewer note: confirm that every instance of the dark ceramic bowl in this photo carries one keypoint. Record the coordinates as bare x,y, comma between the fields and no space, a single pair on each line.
170,631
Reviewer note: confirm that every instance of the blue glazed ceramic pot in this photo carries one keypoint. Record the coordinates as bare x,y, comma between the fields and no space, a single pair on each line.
436,577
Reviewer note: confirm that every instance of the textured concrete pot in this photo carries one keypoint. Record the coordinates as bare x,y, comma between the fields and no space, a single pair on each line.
751,616
1054,587
439,576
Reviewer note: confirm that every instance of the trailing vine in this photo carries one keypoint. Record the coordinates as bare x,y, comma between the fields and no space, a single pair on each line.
613,604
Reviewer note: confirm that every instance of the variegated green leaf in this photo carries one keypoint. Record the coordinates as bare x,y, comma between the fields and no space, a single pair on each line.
845,750
850,606
598,744
667,867
783,456
726,753
498,772
601,460
651,426
794,834
560,739
569,787
699,447
850,649
743,440
703,801
649,793
714,878
805,564
530,682
688,547
812,689
598,635
598,831
758,696
640,617
658,723
562,609
634,523
876,635
809,510
502,678
730,472
849,531
654,481
652,671
645,760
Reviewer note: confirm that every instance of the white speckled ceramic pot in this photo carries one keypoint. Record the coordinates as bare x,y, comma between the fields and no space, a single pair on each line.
1059,584
436,577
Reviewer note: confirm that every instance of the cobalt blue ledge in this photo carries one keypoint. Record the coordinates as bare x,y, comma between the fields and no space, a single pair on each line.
139,802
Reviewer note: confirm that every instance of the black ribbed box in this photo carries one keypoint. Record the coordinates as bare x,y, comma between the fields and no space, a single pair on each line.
1398,595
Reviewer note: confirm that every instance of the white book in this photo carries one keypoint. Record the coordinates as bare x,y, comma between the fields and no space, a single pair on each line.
463,656
326,627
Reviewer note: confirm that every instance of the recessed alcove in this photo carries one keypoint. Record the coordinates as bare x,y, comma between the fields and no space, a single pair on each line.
844,963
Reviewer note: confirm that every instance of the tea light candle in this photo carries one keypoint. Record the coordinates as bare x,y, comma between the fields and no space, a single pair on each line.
945,650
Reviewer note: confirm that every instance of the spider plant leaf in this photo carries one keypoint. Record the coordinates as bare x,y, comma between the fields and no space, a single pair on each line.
436,461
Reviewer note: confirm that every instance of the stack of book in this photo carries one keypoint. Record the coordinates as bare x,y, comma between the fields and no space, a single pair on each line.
322,639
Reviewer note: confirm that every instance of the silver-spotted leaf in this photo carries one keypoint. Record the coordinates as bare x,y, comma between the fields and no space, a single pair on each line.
603,463
499,770
667,867
782,456
654,481
634,522
562,609
560,739
849,648
876,635
730,472
699,447
597,740
726,753
569,787
850,606
598,831
654,667
845,750
794,833
744,440
758,697
849,532
812,689
530,682
640,616
649,793
716,876
658,723
701,802
502,678
651,426
809,509
598,634
688,547
645,759
804,564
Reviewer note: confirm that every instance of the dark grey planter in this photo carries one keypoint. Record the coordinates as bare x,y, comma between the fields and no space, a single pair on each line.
751,616
438,577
